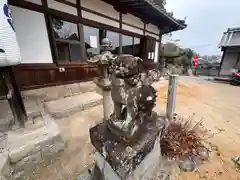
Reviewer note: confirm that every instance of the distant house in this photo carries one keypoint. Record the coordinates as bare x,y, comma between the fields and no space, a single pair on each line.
230,45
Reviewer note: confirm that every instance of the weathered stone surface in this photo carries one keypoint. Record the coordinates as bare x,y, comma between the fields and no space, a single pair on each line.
57,92
106,170
149,167
146,170
29,162
91,173
52,150
66,106
3,141
19,175
167,169
5,168
2,178
124,156
23,151
85,176
6,116
31,146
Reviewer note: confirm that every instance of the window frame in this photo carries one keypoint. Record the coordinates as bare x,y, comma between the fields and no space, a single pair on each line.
133,37
80,21
69,42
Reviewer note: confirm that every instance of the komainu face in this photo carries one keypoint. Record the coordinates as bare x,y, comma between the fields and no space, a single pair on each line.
125,66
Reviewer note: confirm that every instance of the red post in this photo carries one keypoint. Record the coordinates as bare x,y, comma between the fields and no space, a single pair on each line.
196,61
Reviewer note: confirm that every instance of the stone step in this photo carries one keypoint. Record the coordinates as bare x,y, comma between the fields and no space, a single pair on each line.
65,107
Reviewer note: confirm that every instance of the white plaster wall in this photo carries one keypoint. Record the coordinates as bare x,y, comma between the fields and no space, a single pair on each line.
35,1
229,62
131,19
132,29
100,19
101,7
152,28
32,36
152,35
156,52
62,7
72,1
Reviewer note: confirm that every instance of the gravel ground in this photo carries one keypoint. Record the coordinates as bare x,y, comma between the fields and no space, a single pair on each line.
217,103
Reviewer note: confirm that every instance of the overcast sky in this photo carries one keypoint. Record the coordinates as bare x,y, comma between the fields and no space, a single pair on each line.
206,20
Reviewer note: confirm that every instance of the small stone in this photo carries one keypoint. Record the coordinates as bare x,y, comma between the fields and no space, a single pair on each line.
5,167
203,176
187,165
214,147
203,153
236,160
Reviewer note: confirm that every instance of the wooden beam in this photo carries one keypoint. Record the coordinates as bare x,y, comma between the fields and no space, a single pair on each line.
67,3
14,95
144,29
69,17
28,5
120,34
99,14
81,32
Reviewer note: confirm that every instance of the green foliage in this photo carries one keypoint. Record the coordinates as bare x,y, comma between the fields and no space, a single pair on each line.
176,55
171,50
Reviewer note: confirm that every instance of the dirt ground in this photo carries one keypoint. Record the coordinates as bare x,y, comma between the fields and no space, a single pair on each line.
218,105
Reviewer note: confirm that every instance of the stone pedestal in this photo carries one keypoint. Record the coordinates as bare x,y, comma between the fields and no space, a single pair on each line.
105,85
120,160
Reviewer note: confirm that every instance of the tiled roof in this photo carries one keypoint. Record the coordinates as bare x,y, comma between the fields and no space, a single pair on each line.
230,38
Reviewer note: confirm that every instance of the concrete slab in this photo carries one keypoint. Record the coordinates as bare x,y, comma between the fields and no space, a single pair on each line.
57,92
29,146
223,79
6,115
66,106
33,108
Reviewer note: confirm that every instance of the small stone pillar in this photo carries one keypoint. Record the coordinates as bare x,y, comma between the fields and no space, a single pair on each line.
103,62
172,91
105,85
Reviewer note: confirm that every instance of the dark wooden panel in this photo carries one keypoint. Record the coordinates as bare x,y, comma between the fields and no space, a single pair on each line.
147,45
31,76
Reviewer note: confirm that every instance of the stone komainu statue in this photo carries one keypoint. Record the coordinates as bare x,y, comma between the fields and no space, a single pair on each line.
133,100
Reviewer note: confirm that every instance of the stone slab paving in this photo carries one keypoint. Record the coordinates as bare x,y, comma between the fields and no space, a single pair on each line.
57,92
66,106
26,148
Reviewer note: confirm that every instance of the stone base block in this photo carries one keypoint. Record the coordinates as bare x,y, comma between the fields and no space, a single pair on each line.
146,170
124,159
27,147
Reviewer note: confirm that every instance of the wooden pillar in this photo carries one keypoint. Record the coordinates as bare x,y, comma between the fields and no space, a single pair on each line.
81,32
50,31
160,55
14,96
120,34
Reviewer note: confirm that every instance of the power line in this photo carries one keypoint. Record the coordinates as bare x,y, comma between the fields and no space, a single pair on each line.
204,45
